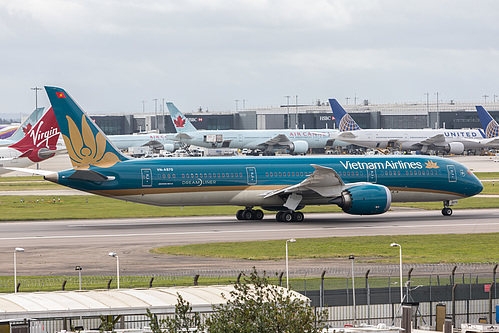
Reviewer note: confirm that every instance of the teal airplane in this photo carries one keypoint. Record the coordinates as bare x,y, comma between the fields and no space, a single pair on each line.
361,185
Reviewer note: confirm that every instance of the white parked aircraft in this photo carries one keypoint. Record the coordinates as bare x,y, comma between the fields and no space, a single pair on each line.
448,140
22,130
268,141
154,140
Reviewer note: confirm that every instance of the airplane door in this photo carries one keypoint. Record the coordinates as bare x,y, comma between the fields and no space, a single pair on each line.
451,170
371,176
146,177
251,175
240,138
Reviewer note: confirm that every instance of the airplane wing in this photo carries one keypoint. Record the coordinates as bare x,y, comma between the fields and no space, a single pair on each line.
491,141
346,135
33,171
439,138
323,181
181,136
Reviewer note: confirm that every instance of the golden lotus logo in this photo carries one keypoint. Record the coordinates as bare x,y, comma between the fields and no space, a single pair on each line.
85,149
432,165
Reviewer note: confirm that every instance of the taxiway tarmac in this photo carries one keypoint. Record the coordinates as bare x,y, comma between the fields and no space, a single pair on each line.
55,247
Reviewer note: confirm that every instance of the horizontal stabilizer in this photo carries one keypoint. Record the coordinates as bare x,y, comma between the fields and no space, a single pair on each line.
89,175
33,171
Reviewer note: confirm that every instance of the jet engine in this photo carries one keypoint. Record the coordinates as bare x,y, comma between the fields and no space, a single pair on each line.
454,148
366,199
169,147
298,147
44,153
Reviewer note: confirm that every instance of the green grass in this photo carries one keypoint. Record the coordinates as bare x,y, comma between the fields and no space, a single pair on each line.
77,207
417,249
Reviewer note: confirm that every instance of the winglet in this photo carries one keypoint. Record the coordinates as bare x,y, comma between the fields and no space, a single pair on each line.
181,123
86,143
489,125
343,120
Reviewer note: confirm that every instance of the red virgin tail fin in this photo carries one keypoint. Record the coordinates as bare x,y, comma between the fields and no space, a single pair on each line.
41,139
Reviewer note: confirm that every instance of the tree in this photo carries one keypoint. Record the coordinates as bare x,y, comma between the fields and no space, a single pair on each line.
255,305
182,321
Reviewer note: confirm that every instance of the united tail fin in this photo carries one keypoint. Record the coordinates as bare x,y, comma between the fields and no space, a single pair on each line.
343,120
181,123
40,142
489,125
87,145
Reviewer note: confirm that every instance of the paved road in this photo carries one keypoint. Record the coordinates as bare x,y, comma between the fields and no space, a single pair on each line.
56,247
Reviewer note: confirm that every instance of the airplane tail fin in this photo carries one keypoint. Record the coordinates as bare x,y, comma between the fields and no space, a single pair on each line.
87,145
40,142
489,125
26,126
181,123
343,120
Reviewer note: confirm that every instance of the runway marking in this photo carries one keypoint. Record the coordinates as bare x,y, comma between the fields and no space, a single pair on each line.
243,231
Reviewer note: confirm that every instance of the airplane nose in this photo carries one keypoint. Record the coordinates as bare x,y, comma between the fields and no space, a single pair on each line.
476,187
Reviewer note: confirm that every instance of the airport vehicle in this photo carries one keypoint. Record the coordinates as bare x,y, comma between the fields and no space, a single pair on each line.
361,185
490,127
39,144
448,140
25,127
268,141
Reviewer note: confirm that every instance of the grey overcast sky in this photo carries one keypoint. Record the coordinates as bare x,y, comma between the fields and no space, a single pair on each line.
112,54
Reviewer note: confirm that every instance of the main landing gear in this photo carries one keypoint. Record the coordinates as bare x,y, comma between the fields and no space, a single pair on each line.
249,214
446,211
289,216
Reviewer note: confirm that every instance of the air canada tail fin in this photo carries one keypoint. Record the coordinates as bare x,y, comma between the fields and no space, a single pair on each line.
181,123
489,125
87,145
24,129
342,118
40,142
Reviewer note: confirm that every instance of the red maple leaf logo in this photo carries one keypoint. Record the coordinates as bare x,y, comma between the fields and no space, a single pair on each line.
179,122
27,129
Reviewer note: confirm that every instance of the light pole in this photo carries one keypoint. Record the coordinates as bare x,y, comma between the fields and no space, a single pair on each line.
351,257
296,113
401,288
288,97
17,249
79,268
113,254
292,240
36,89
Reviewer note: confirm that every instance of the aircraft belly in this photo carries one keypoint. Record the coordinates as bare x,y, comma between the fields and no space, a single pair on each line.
238,198
413,196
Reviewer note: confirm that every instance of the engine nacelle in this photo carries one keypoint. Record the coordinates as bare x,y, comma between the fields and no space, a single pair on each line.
407,146
44,153
455,148
169,147
298,147
366,199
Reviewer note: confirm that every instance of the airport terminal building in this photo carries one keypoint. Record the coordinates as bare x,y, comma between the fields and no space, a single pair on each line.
451,115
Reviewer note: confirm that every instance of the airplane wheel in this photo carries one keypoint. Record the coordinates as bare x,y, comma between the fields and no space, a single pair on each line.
258,214
298,217
278,217
247,214
239,214
446,211
287,216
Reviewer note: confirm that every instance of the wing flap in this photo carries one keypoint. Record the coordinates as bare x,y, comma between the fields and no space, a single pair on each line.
323,181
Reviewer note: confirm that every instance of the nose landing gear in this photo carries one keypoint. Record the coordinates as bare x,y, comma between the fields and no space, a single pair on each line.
447,211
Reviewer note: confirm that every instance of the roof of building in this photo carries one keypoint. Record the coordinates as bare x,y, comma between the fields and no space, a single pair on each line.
56,304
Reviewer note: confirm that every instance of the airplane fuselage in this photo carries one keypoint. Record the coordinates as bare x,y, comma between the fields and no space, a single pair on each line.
244,181
415,138
255,139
